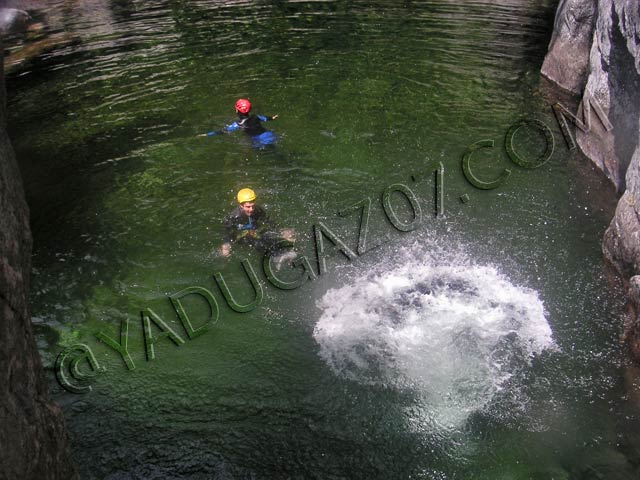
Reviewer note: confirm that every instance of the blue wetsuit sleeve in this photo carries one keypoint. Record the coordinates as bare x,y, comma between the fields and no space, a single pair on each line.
264,118
228,128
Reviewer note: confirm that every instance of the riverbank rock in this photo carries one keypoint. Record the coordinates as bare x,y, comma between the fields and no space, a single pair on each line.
605,35
33,437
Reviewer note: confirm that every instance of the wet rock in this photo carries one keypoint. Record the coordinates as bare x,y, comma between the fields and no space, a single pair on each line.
632,322
614,81
13,20
594,50
26,35
567,61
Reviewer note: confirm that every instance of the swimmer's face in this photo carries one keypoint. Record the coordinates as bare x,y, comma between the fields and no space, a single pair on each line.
247,207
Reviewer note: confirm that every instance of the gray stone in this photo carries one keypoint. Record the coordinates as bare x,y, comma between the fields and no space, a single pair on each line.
595,49
614,80
12,20
621,243
567,61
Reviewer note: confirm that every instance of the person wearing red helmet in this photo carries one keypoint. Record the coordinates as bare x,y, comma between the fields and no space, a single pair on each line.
251,124
243,106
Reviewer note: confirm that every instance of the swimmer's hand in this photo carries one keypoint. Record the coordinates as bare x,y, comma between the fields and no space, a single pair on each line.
274,117
288,234
225,250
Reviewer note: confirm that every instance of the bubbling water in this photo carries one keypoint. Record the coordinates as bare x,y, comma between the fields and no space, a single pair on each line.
454,332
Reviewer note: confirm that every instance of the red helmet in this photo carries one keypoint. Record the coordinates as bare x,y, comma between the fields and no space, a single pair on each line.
243,105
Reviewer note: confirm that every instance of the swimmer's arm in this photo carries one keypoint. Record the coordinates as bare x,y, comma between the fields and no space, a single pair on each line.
228,128
288,234
264,118
210,134
228,234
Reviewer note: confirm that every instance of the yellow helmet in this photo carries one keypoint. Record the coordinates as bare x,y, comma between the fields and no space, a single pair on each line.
246,195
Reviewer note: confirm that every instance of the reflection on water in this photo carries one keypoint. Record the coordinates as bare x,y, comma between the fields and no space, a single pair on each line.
496,359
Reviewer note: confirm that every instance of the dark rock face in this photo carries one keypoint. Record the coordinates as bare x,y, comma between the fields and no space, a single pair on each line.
33,437
605,35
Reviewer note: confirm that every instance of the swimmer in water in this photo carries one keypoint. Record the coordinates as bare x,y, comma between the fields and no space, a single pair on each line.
251,124
249,223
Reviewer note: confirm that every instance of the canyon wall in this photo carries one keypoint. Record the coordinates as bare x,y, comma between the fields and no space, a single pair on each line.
595,51
33,438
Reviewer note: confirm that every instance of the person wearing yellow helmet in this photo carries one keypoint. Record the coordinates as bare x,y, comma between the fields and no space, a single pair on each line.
249,223
246,195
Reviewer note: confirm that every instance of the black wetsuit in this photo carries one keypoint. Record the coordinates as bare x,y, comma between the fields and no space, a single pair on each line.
252,126
256,230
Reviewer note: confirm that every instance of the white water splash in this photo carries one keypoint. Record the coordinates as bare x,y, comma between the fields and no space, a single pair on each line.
453,331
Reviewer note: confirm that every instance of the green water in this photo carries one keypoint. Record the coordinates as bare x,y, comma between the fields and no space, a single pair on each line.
127,206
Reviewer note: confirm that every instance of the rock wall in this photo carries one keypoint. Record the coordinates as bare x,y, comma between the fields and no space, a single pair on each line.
596,48
33,437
